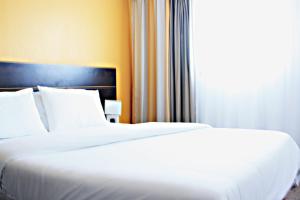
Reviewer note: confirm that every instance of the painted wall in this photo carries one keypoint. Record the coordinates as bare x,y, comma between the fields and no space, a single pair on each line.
80,32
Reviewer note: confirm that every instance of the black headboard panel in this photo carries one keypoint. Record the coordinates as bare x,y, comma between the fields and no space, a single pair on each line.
16,76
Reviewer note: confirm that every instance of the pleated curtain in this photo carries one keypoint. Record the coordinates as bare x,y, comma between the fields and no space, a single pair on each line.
161,70
148,60
182,106
247,64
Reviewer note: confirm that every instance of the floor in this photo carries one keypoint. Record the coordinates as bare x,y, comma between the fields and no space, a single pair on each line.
294,194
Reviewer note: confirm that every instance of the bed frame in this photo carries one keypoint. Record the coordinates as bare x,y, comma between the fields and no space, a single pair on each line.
16,76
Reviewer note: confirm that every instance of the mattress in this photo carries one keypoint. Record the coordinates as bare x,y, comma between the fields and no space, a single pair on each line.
150,161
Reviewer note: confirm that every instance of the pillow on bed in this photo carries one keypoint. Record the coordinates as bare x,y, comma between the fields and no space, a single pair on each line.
40,107
69,109
19,115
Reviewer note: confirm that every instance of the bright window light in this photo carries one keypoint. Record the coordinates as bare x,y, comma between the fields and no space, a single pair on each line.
242,45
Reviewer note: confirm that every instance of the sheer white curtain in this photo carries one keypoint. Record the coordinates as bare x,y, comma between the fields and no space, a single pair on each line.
246,55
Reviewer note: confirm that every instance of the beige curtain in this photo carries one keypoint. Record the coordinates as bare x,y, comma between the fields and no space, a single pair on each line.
149,60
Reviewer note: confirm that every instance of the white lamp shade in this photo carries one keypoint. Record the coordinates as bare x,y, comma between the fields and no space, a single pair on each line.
113,107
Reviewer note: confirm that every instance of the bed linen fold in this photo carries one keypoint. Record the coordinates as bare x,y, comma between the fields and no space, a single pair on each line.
160,162
87,138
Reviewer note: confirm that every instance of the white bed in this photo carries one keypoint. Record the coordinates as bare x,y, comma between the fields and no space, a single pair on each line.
149,161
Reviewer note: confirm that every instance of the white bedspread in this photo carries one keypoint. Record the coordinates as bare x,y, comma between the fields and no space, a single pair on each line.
150,161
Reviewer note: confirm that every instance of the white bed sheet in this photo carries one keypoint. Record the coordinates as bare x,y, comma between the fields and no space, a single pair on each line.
150,161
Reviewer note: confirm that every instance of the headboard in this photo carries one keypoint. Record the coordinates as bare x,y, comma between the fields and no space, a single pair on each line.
16,76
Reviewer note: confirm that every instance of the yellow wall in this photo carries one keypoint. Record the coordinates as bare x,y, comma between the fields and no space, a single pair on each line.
80,32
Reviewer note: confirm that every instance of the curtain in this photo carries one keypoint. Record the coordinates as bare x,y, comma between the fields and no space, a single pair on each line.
181,72
149,61
247,63
162,86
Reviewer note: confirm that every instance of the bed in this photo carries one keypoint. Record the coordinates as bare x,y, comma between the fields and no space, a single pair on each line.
141,161
150,161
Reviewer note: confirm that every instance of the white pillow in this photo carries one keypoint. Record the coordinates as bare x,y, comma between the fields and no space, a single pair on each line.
40,107
19,115
69,109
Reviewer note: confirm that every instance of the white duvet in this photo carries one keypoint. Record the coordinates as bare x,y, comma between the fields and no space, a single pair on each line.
149,161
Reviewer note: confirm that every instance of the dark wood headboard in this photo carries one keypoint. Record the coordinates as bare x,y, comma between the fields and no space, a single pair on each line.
16,76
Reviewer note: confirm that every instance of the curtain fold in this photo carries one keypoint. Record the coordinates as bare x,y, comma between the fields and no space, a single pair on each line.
144,60
139,61
248,66
152,30
162,23
167,109
181,72
162,88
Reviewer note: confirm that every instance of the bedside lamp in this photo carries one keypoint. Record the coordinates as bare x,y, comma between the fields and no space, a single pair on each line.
113,110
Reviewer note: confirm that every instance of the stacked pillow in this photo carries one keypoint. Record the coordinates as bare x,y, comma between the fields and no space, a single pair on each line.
69,109
25,113
19,115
